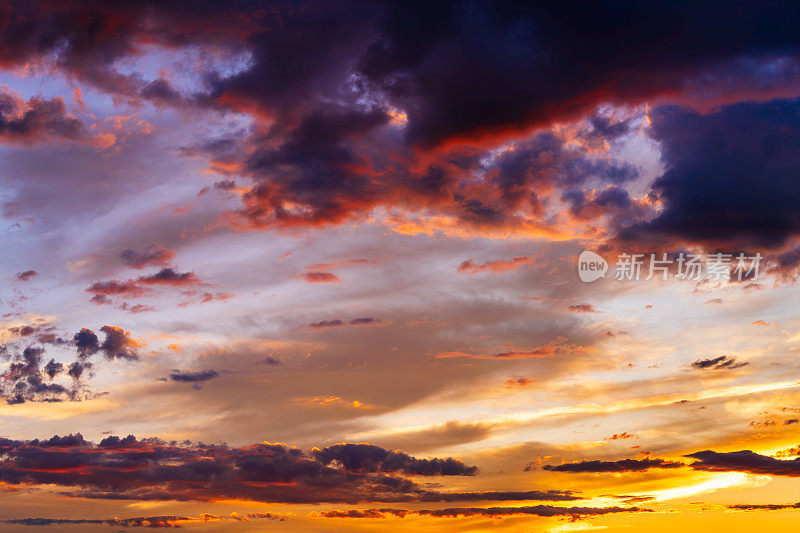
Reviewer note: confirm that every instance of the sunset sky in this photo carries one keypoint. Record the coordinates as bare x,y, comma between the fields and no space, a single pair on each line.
314,266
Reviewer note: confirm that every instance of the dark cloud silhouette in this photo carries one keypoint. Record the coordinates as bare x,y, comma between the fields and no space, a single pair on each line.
365,321
169,276
150,469
744,461
25,378
118,344
370,458
380,109
763,506
162,521
77,369
87,343
722,362
327,324
26,275
36,120
335,323
730,176
143,285
473,68
152,255
193,377
469,69
534,510
546,495
53,368
624,465
582,308
29,329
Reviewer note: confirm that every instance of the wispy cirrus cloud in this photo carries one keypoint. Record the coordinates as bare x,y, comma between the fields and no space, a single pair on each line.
497,265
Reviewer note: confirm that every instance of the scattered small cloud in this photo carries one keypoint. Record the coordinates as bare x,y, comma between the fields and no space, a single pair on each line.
582,308
723,362
470,267
321,277
26,275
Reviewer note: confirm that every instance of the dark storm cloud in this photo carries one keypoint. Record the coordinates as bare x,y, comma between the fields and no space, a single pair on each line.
85,39
468,68
354,173
471,68
731,176
624,465
128,468
475,69
324,148
719,363
744,461
316,165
